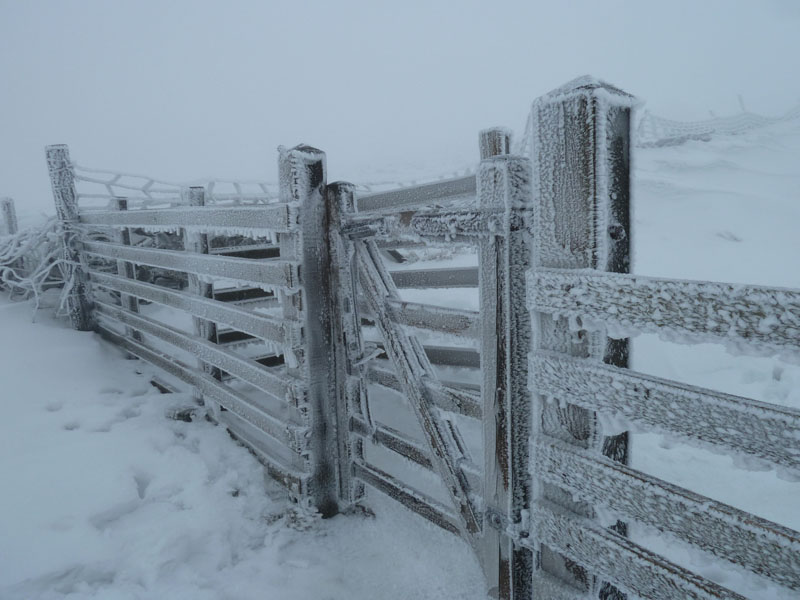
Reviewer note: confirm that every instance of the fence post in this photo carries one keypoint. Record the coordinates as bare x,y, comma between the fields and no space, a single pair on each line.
128,270
504,186
348,346
8,213
309,360
198,244
581,141
62,180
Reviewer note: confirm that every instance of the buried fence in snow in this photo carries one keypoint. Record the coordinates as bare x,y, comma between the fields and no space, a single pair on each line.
304,344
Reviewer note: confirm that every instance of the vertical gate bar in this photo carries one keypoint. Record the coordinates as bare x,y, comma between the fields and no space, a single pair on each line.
197,243
348,346
504,184
62,180
581,145
128,270
310,360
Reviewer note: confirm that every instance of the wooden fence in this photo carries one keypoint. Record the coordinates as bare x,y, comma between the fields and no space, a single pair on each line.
299,335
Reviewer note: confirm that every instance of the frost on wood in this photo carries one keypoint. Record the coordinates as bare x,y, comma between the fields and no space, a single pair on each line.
627,565
271,272
233,220
756,544
745,318
722,421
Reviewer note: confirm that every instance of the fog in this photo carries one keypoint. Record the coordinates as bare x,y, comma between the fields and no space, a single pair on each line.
189,89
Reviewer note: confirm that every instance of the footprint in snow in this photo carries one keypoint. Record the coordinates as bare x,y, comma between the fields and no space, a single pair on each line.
72,426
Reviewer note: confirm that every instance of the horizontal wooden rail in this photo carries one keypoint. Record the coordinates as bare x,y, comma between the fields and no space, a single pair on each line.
412,499
465,323
272,217
461,401
291,436
278,273
744,316
454,224
401,444
454,277
290,473
766,431
756,544
259,325
616,559
449,356
275,388
446,190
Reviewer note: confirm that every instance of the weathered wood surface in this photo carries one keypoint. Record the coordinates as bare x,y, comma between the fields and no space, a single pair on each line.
581,219
463,224
275,387
750,542
412,365
274,273
310,359
504,185
292,437
741,425
628,566
464,323
270,217
745,317
461,401
263,326
62,180
453,277
412,499
448,190
126,269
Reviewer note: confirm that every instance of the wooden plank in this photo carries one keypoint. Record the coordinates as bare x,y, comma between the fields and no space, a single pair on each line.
62,180
259,325
628,566
291,436
235,364
271,217
459,188
458,223
446,397
412,365
745,317
453,277
504,186
126,269
755,544
273,273
243,295
766,431
453,321
412,499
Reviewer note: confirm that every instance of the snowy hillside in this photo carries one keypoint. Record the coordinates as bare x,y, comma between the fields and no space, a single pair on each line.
105,498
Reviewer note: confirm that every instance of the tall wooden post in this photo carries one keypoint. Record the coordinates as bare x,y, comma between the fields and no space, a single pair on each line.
198,244
8,217
128,270
62,180
310,360
348,346
504,186
581,165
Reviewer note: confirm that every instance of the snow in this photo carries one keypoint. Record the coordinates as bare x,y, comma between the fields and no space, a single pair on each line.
103,497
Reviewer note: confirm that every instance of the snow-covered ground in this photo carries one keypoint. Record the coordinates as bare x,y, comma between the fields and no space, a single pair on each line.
103,497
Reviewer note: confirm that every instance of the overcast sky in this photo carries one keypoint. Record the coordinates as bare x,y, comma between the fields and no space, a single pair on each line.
189,89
